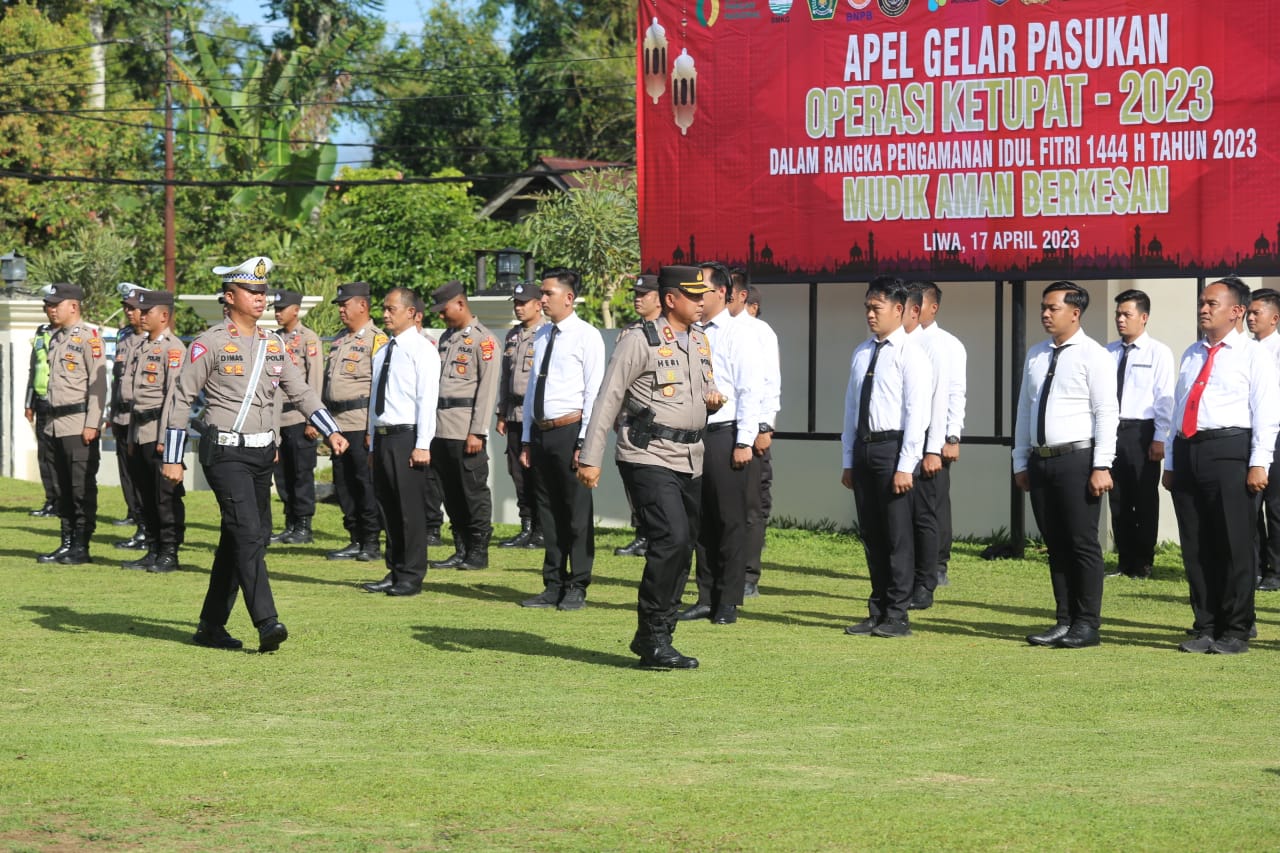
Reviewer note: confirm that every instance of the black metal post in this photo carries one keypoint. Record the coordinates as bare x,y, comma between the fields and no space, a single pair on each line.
1017,358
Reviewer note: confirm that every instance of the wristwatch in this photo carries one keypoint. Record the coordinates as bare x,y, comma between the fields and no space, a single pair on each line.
953,439
764,427
577,445
741,446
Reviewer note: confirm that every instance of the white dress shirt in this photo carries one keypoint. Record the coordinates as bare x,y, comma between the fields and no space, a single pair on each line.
1271,343
574,375
939,389
957,367
900,396
738,365
767,343
413,386
1242,392
1149,378
1082,400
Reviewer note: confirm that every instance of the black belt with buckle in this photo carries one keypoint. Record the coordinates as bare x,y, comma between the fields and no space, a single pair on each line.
340,406
146,416
393,429
878,437
456,403
123,407
70,409
1051,450
1134,423
1209,434
720,426
679,436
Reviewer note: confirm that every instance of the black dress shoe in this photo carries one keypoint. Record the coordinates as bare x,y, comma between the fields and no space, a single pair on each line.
52,556
215,637
404,590
1049,636
127,521
348,553
549,597
271,634
1199,646
433,539
378,586
1269,583
892,629
921,599
661,655
521,539
635,548
943,580
453,562
863,628
1142,573
136,542
1229,646
1114,573
536,540
46,511
726,614
750,590
697,611
369,553
1078,637
574,599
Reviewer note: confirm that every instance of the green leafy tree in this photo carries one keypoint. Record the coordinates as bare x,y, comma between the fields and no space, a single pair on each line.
94,256
454,101
593,230
412,235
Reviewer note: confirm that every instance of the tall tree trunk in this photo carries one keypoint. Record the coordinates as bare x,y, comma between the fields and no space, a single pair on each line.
97,57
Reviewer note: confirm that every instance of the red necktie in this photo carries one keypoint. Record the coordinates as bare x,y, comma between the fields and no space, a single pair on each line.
1190,414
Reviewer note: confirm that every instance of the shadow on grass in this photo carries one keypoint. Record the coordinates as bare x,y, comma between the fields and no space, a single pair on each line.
813,571
514,642
495,592
1042,614
66,620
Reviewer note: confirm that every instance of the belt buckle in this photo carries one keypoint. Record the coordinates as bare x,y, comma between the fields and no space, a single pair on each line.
226,439
1044,452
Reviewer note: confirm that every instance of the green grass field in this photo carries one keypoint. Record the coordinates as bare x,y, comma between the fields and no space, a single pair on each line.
459,721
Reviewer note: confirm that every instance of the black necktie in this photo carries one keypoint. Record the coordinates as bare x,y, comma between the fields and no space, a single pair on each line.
1124,360
864,400
540,388
1044,394
381,405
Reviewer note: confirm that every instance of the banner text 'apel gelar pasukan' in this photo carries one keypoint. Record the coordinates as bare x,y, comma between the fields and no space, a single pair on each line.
970,139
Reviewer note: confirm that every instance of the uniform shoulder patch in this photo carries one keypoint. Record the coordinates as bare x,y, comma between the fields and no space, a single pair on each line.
197,349
379,341
175,358
487,347
95,344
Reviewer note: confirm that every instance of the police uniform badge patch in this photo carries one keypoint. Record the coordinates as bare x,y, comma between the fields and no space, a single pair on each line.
312,349
668,390
175,358
462,370
197,350
231,348
95,344
487,347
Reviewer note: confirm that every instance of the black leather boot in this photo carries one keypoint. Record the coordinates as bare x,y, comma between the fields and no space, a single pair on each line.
535,538
78,553
146,561
454,562
289,522
635,548
477,554
136,542
64,547
166,561
521,539
350,552
433,537
369,551
301,534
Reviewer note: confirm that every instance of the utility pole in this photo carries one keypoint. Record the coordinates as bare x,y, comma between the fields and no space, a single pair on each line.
170,240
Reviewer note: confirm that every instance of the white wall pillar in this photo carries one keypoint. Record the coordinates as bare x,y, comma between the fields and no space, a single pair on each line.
19,318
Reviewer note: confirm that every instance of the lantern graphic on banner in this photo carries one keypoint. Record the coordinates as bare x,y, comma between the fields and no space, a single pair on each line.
655,60
684,90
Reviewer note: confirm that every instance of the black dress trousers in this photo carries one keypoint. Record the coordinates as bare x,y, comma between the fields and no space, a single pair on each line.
726,502
464,480
1135,496
566,508
521,477
1268,559
295,473
759,521
945,534
241,481
76,465
884,523
402,494
353,484
668,505
925,494
163,510
1068,518
1215,524
131,490
45,451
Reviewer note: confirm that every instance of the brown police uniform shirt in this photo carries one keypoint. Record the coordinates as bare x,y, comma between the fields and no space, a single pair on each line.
77,376
303,346
672,378
349,376
469,372
220,363
517,367
149,378
127,341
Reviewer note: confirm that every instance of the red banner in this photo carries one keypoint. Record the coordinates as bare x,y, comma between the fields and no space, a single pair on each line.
960,139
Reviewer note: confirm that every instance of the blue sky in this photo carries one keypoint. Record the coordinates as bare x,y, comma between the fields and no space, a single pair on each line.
400,15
